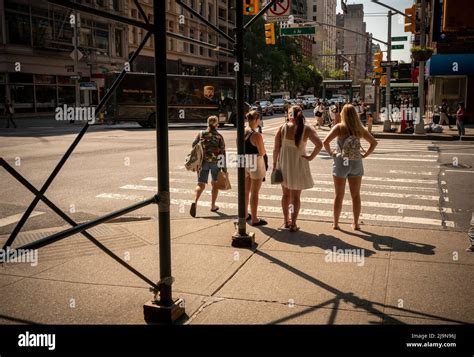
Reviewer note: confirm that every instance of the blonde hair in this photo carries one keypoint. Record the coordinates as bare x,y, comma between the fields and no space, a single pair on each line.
252,115
351,122
213,121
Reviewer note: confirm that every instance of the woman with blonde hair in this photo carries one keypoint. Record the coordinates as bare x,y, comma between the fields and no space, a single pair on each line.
290,153
347,160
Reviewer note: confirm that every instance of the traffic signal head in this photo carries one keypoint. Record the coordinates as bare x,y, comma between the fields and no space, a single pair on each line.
383,81
377,62
251,7
270,34
410,22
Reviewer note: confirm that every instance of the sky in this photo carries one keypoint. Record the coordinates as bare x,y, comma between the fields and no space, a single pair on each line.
378,25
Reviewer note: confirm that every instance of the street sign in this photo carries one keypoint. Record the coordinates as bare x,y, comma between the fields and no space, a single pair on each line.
400,38
297,31
279,8
398,47
73,54
388,63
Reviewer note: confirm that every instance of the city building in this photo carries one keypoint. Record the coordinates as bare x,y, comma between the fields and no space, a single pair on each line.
323,51
37,61
185,57
450,71
355,46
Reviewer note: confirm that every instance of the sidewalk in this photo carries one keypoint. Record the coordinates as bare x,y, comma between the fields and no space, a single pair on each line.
403,276
447,134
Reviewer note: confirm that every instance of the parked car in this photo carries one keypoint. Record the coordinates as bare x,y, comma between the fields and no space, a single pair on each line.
311,102
267,107
280,105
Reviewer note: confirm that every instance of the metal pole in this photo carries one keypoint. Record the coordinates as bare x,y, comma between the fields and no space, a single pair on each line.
239,54
388,107
76,62
161,114
420,126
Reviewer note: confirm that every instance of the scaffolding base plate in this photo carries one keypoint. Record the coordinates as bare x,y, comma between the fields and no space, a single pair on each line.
155,313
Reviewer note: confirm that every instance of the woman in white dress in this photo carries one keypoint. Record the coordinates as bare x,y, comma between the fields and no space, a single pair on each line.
289,154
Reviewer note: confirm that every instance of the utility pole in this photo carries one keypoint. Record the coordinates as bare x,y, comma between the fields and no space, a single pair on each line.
76,61
388,106
420,126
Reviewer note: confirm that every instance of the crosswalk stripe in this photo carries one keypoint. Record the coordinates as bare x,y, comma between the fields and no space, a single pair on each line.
365,178
315,189
303,212
16,217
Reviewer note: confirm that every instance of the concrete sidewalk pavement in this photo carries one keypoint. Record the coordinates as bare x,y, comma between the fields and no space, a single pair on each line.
401,276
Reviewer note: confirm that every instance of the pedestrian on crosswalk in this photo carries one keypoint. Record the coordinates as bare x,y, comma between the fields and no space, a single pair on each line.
289,153
347,160
254,173
213,147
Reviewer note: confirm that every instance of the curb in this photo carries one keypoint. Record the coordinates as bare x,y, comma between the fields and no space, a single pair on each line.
436,137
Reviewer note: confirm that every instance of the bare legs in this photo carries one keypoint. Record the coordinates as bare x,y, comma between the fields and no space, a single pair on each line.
339,188
290,198
254,189
214,193
354,186
199,190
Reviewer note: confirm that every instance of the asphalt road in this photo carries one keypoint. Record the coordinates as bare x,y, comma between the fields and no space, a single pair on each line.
410,183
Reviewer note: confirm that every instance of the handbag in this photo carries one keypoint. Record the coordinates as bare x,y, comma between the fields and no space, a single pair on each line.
223,182
277,177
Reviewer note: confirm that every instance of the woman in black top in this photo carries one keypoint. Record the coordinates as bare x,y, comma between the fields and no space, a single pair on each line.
254,166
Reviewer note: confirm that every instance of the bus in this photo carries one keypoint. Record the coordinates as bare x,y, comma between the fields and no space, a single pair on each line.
191,99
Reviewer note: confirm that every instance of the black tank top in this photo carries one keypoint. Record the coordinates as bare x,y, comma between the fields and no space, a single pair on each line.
250,149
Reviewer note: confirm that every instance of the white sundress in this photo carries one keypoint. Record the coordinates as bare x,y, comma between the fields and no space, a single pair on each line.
295,169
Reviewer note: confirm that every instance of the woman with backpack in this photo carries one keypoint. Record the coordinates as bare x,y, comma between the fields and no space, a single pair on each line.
213,147
289,155
347,160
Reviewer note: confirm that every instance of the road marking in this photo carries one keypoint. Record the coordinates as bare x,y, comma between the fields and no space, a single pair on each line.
455,153
315,189
464,171
303,212
427,173
16,217
365,178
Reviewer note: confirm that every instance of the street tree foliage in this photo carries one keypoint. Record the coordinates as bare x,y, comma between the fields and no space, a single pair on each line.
337,74
280,67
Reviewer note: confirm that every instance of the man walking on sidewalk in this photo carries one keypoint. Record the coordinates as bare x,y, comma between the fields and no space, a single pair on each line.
8,111
443,113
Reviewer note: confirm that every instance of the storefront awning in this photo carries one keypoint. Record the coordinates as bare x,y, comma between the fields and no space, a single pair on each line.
450,65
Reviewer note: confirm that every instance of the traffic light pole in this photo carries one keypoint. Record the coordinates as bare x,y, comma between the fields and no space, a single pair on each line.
420,126
388,106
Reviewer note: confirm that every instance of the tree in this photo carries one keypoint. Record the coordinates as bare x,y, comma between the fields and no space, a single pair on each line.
337,74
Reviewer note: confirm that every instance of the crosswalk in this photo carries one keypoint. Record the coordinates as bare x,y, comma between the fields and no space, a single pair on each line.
403,185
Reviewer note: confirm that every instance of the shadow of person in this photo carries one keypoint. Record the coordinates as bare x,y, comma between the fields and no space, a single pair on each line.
392,244
323,241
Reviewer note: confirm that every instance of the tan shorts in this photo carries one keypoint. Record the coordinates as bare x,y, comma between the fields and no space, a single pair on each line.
256,168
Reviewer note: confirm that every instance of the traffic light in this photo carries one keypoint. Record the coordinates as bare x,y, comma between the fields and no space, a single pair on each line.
251,7
410,22
377,62
270,34
383,81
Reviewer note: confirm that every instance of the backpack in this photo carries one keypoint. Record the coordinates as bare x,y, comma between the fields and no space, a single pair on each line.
194,159
351,148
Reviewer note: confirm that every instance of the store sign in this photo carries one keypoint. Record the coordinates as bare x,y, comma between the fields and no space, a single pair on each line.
87,86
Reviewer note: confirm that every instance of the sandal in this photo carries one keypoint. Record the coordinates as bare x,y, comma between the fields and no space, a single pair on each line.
287,225
249,217
192,210
215,209
294,228
354,227
261,222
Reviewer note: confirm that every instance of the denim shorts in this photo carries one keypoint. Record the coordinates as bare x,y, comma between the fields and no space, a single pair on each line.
203,175
347,168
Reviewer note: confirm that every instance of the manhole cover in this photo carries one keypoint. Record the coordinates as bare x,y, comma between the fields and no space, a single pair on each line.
458,166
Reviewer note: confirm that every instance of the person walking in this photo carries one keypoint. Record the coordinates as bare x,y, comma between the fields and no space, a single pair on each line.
335,116
213,147
255,170
460,118
8,112
347,160
289,154
444,113
318,113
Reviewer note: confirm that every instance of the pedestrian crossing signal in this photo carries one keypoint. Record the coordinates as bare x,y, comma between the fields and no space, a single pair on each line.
270,34
251,7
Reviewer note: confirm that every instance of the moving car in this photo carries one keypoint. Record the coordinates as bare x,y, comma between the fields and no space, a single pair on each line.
280,105
267,107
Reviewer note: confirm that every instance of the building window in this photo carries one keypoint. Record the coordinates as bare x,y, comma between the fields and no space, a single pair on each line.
315,8
118,43
314,18
202,8
134,13
116,5
222,14
100,3
210,13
